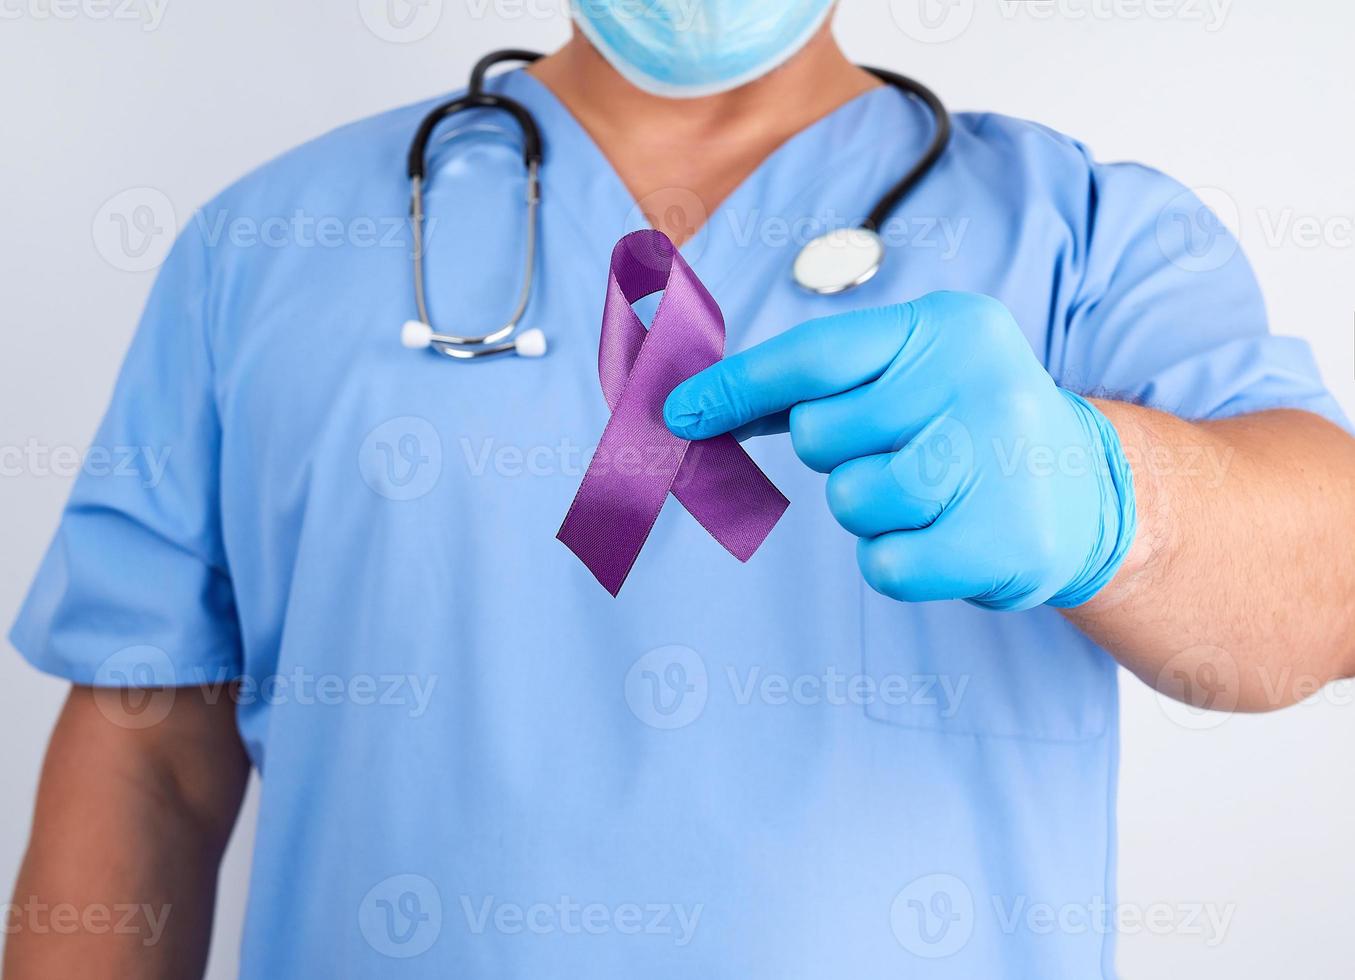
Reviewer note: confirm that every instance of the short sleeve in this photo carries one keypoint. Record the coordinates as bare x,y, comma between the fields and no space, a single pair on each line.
134,589
1169,314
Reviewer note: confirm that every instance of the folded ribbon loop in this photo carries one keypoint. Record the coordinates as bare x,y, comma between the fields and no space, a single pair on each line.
638,460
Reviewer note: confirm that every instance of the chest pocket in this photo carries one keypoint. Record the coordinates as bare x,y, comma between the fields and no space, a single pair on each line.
951,667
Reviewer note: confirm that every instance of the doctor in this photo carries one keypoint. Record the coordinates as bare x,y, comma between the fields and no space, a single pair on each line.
474,761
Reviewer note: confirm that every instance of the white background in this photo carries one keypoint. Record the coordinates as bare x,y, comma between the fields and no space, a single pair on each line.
1252,97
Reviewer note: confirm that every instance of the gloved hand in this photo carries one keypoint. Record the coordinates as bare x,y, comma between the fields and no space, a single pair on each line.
963,469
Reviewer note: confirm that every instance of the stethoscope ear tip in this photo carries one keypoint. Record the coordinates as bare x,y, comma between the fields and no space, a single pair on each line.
530,343
416,335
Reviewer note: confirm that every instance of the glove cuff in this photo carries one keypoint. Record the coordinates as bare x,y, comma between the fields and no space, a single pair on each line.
1119,515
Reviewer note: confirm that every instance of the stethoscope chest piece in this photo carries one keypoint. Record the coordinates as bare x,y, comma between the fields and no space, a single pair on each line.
841,259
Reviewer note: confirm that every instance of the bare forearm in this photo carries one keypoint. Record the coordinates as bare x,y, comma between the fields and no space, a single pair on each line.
1242,570
129,828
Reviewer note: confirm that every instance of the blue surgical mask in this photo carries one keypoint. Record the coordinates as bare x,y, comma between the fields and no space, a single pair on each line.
690,48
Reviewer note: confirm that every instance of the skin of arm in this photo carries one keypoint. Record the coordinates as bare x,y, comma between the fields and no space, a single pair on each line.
128,816
1242,569
1241,574
120,875
131,816
1236,590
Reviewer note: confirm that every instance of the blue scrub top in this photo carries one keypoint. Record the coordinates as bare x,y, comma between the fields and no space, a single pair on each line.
475,762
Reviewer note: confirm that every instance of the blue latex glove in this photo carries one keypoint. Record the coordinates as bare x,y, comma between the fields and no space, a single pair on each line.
963,469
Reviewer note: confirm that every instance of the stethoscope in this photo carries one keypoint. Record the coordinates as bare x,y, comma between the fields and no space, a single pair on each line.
832,263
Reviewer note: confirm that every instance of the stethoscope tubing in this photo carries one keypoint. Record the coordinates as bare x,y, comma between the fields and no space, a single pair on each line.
476,97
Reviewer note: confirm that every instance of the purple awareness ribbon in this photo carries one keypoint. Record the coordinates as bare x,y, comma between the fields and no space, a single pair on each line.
638,461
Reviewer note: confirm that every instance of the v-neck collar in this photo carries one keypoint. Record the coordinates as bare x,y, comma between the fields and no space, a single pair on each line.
579,178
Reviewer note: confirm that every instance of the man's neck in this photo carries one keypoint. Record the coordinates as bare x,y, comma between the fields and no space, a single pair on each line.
680,158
